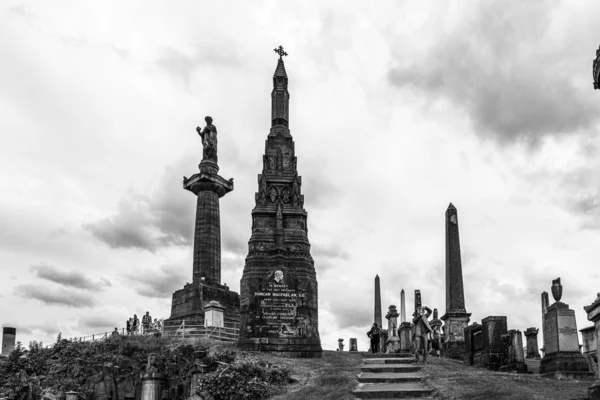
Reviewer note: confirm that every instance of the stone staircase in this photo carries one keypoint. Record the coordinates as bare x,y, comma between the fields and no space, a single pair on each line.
391,376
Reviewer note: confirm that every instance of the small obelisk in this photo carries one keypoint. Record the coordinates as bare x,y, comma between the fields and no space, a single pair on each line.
456,317
378,319
545,305
402,307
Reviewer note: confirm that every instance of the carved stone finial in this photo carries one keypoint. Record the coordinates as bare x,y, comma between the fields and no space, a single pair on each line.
557,289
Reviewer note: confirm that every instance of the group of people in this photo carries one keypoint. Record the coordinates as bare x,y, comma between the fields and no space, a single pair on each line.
134,327
425,339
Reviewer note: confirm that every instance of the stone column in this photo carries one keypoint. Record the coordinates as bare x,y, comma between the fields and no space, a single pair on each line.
456,317
517,344
151,385
545,305
402,307
593,314
353,346
405,337
393,342
532,343
71,395
209,187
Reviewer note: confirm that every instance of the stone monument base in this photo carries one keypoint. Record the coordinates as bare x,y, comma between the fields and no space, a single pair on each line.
565,366
284,347
188,304
392,345
594,391
405,337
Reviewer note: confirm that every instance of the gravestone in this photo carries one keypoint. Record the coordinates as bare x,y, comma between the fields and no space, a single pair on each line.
278,288
514,357
470,342
456,317
214,314
493,350
562,359
8,340
340,345
593,315
353,345
532,343
588,337
152,380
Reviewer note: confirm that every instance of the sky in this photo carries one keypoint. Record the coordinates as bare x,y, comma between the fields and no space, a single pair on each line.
396,108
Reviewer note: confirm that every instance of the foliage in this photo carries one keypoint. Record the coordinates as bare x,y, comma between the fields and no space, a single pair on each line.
246,378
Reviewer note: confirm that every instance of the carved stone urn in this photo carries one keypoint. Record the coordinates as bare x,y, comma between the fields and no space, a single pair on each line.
557,289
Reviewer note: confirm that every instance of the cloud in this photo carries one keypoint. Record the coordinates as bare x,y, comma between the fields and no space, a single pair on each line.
330,251
96,321
159,284
511,92
68,278
150,222
55,296
348,316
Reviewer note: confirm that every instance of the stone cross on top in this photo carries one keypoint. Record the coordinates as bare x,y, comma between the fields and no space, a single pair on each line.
280,51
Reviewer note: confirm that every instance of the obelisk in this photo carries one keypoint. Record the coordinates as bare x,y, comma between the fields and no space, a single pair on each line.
378,319
545,305
456,317
402,307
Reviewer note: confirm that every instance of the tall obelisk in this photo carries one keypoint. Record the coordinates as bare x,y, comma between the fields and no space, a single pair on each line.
456,317
378,319
402,307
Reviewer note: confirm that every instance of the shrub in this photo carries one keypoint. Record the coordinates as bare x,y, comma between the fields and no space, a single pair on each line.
246,378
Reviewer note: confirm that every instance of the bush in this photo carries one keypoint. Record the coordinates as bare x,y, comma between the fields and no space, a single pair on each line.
246,378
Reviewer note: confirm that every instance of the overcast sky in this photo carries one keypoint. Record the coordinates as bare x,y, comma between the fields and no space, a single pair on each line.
396,109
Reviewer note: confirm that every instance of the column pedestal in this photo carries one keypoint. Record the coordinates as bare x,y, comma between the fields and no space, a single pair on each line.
405,337
454,336
152,385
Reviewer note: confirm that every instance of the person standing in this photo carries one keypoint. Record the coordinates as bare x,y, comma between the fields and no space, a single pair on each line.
115,333
135,324
421,332
146,320
373,334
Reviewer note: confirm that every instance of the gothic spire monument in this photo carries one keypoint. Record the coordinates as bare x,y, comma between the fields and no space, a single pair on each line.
278,289
188,303
456,317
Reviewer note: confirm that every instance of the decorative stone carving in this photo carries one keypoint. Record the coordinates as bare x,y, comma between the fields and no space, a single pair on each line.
557,289
273,194
287,156
285,195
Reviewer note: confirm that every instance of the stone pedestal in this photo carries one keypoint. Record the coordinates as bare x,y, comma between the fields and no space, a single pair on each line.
405,337
593,315
515,356
383,337
214,314
152,386
436,334
353,344
561,343
532,343
454,337
392,343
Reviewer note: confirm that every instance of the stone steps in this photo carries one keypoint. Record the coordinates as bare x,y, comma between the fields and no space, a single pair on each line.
389,355
390,367
391,376
404,360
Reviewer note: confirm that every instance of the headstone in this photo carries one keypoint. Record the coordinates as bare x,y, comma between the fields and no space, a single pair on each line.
340,344
593,315
436,326
279,290
588,337
562,359
383,337
456,318
8,340
492,351
405,337
470,342
532,343
353,346
515,356
208,186
392,343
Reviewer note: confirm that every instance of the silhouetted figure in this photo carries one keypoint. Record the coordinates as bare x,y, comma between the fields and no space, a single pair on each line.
373,334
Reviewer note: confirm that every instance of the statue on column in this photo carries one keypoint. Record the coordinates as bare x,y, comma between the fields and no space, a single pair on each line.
209,140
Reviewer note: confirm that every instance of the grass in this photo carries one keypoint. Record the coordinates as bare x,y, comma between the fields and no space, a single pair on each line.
454,380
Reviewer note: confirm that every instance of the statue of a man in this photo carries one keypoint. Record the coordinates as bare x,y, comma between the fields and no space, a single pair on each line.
209,140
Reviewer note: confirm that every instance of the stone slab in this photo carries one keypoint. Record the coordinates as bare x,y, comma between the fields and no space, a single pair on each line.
390,377
389,360
390,368
389,355
391,390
